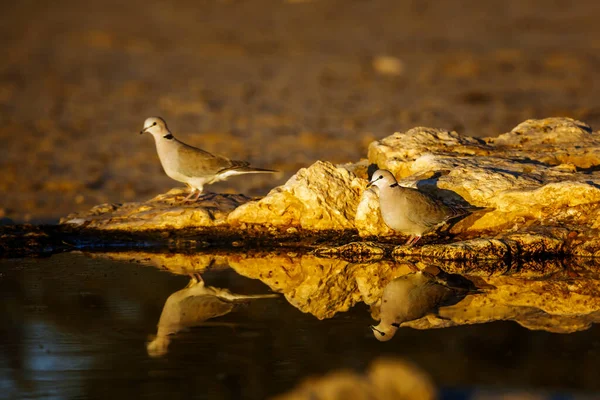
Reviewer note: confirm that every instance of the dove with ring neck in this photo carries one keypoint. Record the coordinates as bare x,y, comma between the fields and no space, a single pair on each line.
408,210
190,165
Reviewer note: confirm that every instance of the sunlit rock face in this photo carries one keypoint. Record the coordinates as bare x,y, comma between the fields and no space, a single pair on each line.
537,174
320,197
536,187
166,211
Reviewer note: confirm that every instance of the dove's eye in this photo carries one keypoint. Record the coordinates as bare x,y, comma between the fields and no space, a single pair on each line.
380,177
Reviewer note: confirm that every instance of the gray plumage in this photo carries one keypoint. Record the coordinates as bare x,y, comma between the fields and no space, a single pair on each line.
408,298
192,306
409,210
190,165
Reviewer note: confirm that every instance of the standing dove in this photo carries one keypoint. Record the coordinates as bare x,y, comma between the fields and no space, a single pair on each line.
190,165
409,210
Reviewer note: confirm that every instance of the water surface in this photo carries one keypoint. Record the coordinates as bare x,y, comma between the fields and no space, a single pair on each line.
78,327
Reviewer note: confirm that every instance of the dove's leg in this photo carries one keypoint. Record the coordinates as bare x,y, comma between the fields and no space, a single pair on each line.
189,197
195,279
198,278
412,240
198,195
193,196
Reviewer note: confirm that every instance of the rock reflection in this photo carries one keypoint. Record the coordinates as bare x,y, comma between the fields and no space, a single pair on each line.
555,295
384,379
190,307
414,296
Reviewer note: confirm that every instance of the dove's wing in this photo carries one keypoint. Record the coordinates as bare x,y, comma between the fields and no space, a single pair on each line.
195,162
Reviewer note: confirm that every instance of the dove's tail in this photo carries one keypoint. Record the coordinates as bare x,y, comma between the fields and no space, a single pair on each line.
458,211
235,298
252,170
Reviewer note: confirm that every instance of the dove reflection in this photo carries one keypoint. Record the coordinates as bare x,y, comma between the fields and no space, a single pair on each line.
192,306
411,297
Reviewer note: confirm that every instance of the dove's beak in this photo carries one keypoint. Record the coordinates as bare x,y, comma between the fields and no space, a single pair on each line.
143,131
377,330
372,182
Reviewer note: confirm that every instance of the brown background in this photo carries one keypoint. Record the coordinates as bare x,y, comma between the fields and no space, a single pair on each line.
279,83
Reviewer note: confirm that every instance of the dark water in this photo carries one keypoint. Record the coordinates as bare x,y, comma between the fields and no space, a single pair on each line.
76,327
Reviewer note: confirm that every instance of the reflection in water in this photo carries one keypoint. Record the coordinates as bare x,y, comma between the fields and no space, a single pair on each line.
410,297
75,327
549,295
385,378
191,306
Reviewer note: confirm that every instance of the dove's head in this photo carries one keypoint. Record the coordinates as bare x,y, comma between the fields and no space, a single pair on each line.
157,346
382,178
156,126
384,332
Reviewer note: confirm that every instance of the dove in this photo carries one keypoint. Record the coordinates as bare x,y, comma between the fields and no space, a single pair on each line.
191,306
408,210
190,165
407,298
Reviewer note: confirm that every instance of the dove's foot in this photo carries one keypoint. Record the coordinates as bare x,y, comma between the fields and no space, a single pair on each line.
412,240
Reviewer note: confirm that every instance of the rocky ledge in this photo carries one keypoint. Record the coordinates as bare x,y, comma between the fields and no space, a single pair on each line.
538,187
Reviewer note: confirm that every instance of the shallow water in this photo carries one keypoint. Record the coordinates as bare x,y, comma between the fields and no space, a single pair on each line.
78,327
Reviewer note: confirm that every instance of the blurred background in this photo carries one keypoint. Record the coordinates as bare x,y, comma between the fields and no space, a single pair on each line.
278,83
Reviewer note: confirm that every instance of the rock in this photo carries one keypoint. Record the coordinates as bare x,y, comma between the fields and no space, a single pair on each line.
320,197
552,141
532,191
398,151
166,211
511,176
515,246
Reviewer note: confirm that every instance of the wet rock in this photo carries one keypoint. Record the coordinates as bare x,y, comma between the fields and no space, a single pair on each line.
355,251
504,247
